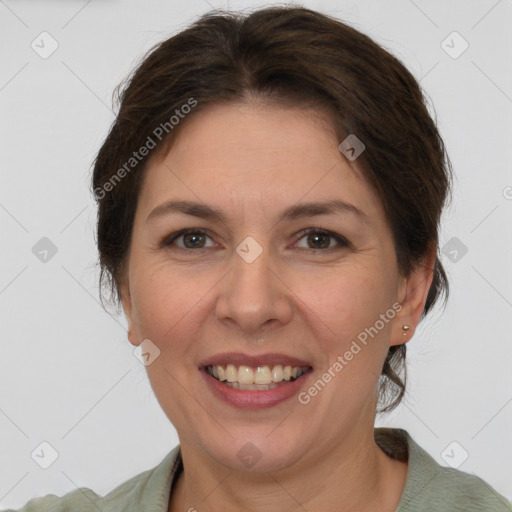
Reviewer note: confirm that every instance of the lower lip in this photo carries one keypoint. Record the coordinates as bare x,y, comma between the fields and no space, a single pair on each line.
255,399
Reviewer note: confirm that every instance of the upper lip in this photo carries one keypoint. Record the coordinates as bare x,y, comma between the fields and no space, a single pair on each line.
239,358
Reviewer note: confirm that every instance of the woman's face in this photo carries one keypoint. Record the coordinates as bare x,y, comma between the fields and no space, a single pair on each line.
253,290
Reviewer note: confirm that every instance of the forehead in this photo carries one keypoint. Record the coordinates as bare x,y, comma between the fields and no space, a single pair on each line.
255,131
256,155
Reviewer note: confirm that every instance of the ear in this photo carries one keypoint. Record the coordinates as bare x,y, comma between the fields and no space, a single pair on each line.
126,301
412,295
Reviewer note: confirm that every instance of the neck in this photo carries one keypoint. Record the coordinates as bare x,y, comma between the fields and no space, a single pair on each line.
355,475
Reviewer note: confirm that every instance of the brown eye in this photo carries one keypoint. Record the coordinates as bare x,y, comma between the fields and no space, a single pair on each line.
192,239
321,239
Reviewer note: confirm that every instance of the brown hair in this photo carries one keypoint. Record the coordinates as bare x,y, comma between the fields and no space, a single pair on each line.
288,56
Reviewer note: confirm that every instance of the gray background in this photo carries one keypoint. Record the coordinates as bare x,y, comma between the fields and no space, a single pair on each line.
68,375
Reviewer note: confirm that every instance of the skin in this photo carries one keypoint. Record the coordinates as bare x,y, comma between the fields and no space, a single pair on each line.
253,161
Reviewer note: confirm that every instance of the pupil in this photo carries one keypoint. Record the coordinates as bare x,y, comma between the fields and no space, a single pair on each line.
190,236
315,238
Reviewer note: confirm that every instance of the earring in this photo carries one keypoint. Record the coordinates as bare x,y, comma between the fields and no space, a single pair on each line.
405,328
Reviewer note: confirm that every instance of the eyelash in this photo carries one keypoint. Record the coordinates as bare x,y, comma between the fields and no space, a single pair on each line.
170,239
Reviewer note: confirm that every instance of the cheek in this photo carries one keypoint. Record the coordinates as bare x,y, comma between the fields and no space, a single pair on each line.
345,305
344,297
165,302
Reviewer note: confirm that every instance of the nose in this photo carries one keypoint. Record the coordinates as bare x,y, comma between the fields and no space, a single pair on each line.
254,295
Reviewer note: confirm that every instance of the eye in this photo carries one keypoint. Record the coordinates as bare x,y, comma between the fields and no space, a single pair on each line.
321,239
192,239
196,239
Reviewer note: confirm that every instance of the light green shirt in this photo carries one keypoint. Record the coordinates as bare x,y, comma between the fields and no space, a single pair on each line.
429,486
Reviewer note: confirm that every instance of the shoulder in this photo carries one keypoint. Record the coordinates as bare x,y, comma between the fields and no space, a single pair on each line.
430,486
81,499
452,490
148,490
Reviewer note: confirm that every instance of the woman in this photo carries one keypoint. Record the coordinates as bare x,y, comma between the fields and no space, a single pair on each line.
269,201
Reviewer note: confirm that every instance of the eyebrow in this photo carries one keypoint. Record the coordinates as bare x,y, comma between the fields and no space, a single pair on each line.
293,212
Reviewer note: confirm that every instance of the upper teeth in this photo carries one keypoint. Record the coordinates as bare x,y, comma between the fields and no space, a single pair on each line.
259,375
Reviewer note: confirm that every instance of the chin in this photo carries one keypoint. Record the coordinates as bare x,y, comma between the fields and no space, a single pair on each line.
255,453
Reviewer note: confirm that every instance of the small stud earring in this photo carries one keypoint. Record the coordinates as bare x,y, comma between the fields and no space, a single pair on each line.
405,328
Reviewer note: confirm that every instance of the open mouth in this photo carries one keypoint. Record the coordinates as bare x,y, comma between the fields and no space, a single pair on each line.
259,378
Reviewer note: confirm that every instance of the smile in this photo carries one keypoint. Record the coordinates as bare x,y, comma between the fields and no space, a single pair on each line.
258,378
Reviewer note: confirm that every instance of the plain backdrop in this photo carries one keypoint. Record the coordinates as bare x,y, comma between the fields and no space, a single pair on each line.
68,376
